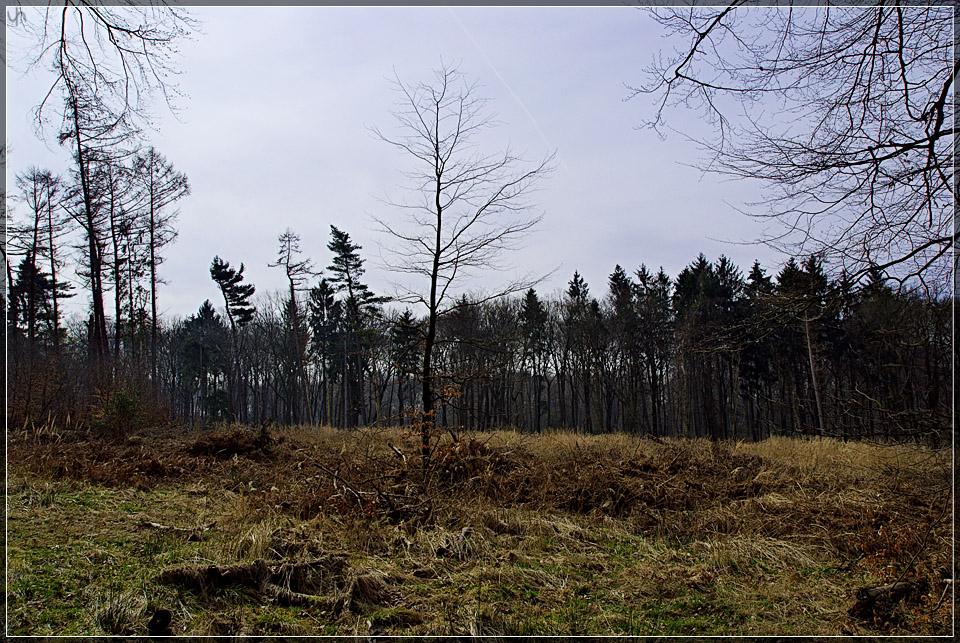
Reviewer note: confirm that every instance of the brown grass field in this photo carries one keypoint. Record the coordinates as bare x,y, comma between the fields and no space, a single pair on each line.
313,531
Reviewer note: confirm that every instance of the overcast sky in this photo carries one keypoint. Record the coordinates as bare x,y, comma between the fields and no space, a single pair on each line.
274,134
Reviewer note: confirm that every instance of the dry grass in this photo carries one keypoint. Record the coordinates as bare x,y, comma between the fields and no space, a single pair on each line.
846,457
506,533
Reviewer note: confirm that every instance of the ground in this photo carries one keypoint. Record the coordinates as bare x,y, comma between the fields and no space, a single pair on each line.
309,531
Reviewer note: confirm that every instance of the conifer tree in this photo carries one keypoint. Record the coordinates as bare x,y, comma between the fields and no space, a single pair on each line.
405,337
240,311
204,355
359,306
533,323
656,326
236,294
326,316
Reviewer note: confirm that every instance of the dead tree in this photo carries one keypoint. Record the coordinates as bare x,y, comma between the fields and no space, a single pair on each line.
297,271
160,186
469,207
108,62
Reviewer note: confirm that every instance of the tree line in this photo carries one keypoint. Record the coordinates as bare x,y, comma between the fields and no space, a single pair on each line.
708,353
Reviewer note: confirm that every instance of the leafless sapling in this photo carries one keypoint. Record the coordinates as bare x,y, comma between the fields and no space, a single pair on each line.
467,210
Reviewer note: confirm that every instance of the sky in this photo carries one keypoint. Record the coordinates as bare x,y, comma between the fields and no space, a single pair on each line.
274,132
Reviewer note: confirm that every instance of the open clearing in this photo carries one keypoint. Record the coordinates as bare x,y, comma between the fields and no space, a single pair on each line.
313,531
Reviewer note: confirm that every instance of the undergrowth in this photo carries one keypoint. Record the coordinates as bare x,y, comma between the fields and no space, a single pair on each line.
309,531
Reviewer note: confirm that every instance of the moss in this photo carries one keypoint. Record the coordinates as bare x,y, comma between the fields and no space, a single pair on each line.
396,617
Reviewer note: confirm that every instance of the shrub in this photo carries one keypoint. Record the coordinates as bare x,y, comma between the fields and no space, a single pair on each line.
117,412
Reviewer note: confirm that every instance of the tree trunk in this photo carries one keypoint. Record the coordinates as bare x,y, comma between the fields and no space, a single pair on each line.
98,330
154,334
813,378
53,277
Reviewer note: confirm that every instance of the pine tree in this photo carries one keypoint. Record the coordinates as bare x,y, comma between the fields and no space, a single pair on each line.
326,320
30,297
695,297
204,353
39,237
236,294
656,327
577,289
346,270
360,305
240,311
533,323
406,334
757,357
625,378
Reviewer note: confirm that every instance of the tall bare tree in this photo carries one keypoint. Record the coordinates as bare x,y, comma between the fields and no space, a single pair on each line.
120,224
6,277
298,271
845,113
160,186
470,207
97,141
108,62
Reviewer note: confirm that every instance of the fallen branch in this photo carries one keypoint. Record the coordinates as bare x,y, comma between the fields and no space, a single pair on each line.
870,598
398,452
349,487
367,588
199,580
947,584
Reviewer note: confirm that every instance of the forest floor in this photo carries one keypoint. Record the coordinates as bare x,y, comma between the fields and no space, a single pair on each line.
308,531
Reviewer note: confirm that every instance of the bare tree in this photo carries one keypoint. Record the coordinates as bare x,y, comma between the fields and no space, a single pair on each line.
297,271
108,62
120,221
845,113
6,279
469,207
123,55
160,186
97,140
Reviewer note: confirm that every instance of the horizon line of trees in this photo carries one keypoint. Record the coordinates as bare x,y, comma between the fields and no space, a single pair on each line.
710,353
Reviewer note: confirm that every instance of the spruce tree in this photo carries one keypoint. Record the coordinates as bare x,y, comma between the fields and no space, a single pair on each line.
360,306
326,317
406,334
534,324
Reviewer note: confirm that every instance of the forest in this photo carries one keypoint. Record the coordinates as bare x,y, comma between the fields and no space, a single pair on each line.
709,353
760,449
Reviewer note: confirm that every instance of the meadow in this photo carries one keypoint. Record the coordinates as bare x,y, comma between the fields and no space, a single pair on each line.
317,531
